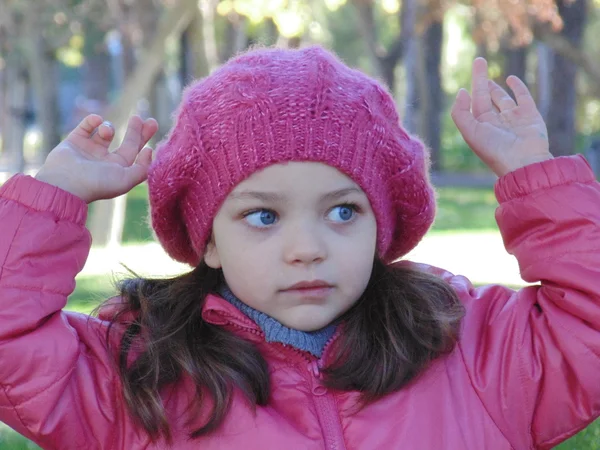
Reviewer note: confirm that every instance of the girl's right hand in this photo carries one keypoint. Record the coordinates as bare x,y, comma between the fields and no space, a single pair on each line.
83,166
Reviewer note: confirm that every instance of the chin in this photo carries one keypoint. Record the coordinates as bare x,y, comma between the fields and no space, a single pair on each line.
306,325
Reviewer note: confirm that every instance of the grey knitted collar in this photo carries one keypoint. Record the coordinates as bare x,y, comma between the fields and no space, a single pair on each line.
311,341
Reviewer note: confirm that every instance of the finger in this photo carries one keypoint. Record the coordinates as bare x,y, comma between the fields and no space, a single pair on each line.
461,111
521,92
138,172
87,126
149,129
132,142
482,101
144,157
501,99
104,134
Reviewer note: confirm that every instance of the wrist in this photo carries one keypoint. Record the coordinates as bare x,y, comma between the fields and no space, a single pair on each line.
60,181
527,161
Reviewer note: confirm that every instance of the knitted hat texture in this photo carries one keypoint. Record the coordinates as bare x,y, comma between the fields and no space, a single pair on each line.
269,106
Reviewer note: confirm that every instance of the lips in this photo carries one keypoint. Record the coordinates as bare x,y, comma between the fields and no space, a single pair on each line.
309,285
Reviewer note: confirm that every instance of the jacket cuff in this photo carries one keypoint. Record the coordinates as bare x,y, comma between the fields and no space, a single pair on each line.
44,197
543,175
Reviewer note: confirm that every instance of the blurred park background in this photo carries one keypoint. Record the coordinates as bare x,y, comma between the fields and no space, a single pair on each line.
63,59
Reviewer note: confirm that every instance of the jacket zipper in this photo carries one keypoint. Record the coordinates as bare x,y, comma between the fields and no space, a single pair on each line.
324,401
326,410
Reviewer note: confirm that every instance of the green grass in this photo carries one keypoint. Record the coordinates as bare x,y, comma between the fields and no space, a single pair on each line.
588,439
10,440
459,210
89,292
136,227
465,209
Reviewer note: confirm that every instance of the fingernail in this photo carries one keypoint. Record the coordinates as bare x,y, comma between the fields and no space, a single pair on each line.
107,124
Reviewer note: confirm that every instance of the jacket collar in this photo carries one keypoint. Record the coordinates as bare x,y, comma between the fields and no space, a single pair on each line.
218,311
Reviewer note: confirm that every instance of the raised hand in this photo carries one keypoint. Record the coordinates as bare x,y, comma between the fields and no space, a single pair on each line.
504,134
83,166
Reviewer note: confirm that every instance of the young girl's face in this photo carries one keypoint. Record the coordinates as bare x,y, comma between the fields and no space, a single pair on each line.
292,223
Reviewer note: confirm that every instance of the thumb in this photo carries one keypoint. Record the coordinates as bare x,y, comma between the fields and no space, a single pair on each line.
461,113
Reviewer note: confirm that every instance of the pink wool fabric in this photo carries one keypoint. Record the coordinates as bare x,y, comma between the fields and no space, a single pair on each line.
269,106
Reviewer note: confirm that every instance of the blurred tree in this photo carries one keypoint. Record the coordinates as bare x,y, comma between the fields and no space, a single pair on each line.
429,55
384,59
559,26
563,106
193,60
107,218
419,40
135,24
44,29
15,87
40,49
515,61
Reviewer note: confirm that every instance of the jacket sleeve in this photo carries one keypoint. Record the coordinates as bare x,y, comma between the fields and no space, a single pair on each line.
533,356
58,386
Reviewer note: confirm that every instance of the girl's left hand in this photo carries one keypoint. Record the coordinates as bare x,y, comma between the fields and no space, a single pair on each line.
505,135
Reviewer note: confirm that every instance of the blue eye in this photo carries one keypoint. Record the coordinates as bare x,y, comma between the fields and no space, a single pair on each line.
261,218
342,213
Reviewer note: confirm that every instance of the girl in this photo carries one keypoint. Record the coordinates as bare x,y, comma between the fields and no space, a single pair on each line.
289,186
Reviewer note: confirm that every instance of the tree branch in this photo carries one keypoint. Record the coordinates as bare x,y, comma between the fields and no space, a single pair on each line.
566,49
173,23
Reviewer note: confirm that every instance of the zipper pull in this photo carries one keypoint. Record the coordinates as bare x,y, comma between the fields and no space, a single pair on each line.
317,388
313,367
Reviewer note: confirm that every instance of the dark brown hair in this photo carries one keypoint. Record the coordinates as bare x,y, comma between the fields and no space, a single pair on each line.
404,319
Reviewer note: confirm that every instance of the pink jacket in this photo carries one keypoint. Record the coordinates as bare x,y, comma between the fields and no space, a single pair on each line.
525,374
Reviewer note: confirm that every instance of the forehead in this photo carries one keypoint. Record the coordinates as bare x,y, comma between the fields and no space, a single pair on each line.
297,177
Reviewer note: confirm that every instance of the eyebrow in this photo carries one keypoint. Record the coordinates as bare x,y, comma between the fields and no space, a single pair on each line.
273,197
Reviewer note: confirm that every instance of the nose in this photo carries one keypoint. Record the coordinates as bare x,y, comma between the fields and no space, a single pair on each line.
304,245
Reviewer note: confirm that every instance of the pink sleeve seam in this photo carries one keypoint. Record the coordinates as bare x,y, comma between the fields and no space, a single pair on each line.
39,391
13,407
559,255
480,399
518,196
522,366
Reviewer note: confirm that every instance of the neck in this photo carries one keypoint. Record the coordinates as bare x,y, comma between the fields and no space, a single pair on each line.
310,341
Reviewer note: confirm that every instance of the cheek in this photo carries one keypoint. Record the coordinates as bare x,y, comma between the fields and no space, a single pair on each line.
356,256
246,266
355,265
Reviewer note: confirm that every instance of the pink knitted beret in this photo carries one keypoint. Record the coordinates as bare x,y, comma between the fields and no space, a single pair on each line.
269,106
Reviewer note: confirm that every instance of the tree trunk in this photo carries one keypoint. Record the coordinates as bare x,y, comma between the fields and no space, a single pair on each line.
161,106
208,9
160,101
561,114
368,30
385,61
543,78
194,62
412,104
236,35
96,69
14,131
561,45
108,218
16,112
432,95
515,63
43,72
271,33
412,97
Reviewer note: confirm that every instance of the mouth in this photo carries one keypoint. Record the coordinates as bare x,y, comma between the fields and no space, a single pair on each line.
316,289
309,285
